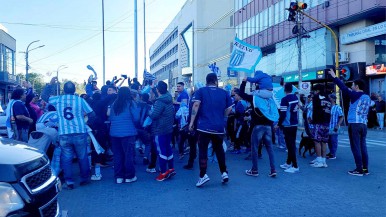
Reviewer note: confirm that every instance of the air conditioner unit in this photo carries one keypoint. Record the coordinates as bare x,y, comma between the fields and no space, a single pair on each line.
343,57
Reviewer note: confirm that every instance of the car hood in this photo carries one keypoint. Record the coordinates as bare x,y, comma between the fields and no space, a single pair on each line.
14,152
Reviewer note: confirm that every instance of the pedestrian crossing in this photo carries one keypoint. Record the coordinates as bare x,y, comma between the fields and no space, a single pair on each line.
345,143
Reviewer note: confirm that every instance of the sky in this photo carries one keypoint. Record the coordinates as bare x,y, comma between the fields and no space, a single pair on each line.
71,32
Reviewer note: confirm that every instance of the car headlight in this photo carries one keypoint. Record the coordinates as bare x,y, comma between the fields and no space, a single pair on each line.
9,199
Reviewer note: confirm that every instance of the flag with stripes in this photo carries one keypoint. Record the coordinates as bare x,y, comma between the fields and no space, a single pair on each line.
148,76
244,57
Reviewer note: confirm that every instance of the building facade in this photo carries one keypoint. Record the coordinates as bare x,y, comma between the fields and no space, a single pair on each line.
199,35
360,26
7,65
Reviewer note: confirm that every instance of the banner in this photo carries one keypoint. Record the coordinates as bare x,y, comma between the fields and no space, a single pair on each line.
244,57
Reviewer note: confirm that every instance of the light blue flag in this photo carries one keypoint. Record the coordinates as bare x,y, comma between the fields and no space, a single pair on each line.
244,57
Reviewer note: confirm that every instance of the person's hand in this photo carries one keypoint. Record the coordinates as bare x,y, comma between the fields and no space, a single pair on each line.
191,127
53,80
332,73
245,79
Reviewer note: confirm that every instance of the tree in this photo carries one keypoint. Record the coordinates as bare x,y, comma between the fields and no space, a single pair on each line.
36,80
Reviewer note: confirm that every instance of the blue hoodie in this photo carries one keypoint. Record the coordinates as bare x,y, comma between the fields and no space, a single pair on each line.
263,79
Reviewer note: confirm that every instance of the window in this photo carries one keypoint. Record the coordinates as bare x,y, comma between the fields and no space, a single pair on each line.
257,23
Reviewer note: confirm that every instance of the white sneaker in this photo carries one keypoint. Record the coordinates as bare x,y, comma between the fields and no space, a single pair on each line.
317,164
224,177
96,177
202,180
152,170
325,165
131,180
313,161
285,166
119,180
292,170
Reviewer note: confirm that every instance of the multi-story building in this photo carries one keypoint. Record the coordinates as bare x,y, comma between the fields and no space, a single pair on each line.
199,35
7,65
359,24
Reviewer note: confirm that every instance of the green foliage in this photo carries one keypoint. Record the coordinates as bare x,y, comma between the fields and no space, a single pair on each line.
38,83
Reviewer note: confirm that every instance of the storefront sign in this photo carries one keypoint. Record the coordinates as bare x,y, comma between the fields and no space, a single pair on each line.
377,69
364,33
306,76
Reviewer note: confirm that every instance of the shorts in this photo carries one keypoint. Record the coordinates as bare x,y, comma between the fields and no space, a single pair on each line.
321,133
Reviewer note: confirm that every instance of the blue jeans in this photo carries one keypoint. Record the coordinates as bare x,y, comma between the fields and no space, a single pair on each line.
357,135
123,149
333,143
262,134
70,144
381,119
280,137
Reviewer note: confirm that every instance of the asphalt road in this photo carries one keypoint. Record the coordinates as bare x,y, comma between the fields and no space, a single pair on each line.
311,192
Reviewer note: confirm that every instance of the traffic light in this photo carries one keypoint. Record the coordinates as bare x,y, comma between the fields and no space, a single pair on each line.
344,73
302,6
292,11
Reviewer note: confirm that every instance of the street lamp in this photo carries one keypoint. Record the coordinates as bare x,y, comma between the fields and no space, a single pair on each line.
26,57
57,78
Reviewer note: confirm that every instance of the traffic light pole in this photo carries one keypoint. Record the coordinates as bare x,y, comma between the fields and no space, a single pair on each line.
299,42
336,51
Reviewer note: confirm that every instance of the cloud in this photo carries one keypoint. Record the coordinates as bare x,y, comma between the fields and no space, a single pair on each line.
3,28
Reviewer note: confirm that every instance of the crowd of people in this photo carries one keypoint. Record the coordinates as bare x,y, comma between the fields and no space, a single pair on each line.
113,122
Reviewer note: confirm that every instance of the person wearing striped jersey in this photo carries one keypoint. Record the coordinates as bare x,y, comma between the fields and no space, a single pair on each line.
288,121
357,122
335,122
72,130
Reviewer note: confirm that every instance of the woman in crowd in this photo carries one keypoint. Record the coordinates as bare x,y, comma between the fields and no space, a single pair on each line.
123,113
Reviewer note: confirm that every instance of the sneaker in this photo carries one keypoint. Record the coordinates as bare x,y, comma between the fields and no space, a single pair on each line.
366,172
224,177
69,186
318,164
119,180
162,176
236,151
251,173
273,174
281,147
285,166
151,170
202,180
83,183
131,180
313,161
188,167
331,157
171,172
292,170
325,165
355,172
96,177
181,156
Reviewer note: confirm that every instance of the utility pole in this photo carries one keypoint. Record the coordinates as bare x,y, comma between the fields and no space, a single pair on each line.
144,34
135,40
299,41
103,38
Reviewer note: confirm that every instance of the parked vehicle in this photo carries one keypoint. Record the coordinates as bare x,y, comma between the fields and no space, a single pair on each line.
28,186
3,128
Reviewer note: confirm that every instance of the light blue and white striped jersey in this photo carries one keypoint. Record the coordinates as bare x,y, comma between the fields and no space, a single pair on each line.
71,110
336,113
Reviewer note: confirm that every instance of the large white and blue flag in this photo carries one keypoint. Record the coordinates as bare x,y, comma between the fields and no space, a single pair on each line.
244,56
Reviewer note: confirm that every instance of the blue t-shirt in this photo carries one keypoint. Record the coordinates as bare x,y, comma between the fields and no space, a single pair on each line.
20,109
214,102
183,95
